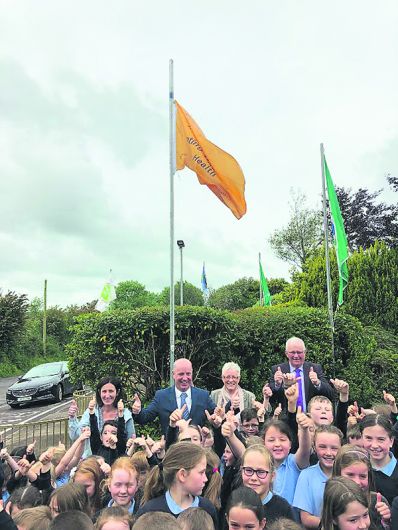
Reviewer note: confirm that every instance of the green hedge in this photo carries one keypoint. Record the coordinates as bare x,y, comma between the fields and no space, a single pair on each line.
134,346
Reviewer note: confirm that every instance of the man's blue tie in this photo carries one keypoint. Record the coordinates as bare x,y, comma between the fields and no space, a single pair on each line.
185,414
300,400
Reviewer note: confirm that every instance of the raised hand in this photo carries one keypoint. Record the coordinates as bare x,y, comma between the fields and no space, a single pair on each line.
278,377
177,415
91,406
120,408
288,380
136,409
112,441
227,429
214,419
292,392
389,399
73,409
267,392
105,468
341,386
24,465
382,508
353,410
85,434
303,421
313,377
31,448
183,424
278,411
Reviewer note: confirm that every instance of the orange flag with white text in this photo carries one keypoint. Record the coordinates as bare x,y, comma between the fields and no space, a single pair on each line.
214,168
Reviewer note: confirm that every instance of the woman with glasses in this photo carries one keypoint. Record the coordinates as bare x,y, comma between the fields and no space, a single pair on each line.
231,392
258,473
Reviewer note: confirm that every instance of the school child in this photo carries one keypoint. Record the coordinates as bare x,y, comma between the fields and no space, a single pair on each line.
345,506
122,484
308,496
111,443
278,440
177,482
245,510
378,439
69,497
161,520
353,462
114,518
212,488
195,519
354,436
284,524
89,474
258,473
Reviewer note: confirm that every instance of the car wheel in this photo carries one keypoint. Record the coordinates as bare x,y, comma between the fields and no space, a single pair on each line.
58,394
14,405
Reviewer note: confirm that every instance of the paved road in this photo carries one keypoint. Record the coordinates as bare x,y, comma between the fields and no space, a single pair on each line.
31,411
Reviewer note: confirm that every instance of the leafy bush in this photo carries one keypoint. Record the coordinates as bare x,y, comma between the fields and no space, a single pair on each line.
134,345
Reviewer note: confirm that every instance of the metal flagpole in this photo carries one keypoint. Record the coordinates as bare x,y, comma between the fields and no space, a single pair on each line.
325,230
172,137
261,291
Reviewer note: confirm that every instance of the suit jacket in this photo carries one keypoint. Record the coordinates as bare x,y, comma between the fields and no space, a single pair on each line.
310,390
165,402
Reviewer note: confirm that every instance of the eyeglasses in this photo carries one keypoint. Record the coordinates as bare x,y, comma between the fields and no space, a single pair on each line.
295,352
233,377
249,472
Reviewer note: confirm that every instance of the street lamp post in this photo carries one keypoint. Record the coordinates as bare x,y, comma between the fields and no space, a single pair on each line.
181,245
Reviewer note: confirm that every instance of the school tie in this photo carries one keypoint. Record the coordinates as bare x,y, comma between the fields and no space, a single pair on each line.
185,414
300,400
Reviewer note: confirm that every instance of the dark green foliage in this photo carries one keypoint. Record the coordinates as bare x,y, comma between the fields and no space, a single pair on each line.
134,345
192,295
243,293
277,285
372,291
13,308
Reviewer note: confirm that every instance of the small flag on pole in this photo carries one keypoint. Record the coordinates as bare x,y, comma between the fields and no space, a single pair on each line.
215,168
265,294
108,294
339,235
203,283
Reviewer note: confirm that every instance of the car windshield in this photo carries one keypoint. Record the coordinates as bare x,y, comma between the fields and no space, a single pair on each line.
43,370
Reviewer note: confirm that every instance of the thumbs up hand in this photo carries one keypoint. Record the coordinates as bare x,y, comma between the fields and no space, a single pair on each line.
136,408
382,508
314,377
278,377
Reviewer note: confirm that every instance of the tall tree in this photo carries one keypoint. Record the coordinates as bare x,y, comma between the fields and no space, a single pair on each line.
131,294
303,234
13,308
192,295
238,295
366,219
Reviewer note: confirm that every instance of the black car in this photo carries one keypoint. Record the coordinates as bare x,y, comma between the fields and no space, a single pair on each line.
49,381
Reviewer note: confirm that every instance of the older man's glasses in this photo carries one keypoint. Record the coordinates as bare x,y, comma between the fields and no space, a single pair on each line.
231,377
249,472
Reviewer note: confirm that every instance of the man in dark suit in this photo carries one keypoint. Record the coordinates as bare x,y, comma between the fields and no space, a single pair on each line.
311,379
169,399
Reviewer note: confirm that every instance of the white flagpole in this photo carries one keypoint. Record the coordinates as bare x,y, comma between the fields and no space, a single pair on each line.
172,138
261,291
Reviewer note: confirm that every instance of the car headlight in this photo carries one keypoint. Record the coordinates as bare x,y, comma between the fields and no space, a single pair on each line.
45,387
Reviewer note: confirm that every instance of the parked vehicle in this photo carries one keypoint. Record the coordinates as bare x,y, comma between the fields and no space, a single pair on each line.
49,381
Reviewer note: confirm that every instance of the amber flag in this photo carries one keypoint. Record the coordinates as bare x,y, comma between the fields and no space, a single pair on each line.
214,168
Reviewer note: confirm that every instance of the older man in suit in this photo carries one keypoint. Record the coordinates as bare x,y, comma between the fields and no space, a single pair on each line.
169,399
311,379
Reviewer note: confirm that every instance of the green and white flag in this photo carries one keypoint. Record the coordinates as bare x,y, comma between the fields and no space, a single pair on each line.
108,294
266,296
339,234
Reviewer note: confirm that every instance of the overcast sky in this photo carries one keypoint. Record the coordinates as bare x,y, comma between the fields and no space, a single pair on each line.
84,170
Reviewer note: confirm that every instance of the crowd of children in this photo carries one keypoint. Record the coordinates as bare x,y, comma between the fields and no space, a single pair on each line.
330,468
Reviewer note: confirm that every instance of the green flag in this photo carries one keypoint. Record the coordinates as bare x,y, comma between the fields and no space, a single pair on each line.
339,234
266,298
